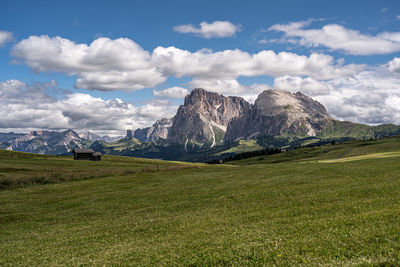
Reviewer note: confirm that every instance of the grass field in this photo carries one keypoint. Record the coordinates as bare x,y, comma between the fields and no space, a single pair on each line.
304,207
20,169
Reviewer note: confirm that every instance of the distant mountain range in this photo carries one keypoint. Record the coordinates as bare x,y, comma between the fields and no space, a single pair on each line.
209,125
49,142
93,137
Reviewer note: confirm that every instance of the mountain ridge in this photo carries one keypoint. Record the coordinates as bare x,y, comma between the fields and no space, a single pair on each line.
210,125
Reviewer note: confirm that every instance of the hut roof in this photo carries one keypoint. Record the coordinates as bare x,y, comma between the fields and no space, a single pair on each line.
96,154
82,150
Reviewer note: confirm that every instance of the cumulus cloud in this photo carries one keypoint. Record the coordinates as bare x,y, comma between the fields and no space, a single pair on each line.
156,109
172,92
104,65
121,64
230,88
216,29
5,37
369,97
230,64
31,106
394,65
337,37
307,85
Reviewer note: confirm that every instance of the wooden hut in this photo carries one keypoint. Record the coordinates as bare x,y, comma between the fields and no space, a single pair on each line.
83,154
96,156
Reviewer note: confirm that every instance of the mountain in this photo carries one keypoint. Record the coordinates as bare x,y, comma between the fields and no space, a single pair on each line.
7,137
211,126
48,142
279,113
202,120
94,137
159,130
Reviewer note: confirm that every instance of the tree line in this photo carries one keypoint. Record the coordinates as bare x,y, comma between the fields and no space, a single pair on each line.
245,155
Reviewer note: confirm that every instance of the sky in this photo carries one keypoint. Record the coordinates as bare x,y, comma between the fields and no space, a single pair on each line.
110,66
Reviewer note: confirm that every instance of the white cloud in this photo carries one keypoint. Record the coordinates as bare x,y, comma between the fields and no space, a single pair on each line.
230,64
122,64
156,109
292,26
104,65
307,86
172,92
216,29
368,97
25,106
230,88
394,65
337,37
5,37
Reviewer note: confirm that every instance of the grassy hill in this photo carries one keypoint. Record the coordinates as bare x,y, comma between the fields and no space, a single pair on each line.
21,169
328,205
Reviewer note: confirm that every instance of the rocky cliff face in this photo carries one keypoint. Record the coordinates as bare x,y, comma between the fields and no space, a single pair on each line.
203,118
279,113
159,130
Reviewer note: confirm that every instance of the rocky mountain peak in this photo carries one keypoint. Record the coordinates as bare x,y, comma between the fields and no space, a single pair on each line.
203,118
277,112
38,133
199,97
129,134
49,142
72,134
274,102
159,130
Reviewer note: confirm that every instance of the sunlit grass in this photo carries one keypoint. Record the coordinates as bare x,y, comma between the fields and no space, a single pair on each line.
362,157
283,210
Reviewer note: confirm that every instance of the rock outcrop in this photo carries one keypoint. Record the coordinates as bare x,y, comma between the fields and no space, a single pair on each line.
159,130
278,113
203,118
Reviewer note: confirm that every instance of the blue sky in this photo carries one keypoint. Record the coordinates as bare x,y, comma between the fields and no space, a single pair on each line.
58,56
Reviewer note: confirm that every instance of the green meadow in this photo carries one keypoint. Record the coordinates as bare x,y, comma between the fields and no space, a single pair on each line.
322,206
